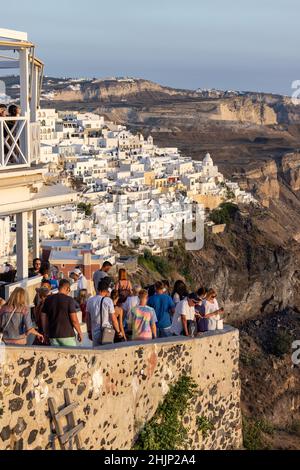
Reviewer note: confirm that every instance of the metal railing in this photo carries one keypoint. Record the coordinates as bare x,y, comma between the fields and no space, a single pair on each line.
14,142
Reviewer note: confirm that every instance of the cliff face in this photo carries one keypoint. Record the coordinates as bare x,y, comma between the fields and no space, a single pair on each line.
245,110
262,182
290,166
111,91
254,265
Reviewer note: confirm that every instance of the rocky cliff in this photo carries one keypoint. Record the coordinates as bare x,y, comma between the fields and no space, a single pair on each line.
290,167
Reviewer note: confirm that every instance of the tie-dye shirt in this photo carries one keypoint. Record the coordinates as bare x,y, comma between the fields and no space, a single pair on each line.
141,319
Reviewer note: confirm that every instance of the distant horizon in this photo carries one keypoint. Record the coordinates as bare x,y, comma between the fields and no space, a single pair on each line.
210,44
90,78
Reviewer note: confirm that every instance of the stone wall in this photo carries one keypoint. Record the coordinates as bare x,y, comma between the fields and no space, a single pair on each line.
119,389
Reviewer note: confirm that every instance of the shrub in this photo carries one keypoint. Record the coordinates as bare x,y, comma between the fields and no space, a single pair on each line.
86,208
280,343
166,431
224,214
155,263
253,433
204,425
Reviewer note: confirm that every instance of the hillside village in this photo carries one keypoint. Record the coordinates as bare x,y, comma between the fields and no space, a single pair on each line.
131,189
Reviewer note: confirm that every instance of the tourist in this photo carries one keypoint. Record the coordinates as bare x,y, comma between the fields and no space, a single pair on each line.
43,293
46,273
101,315
8,267
14,111
78,277
184,319
164,308
142,319
82,301
59,318
123,286
211,311
166,285
3,110
36,268
180,292
202,322
119,312
132,300
45,284
15,319
101,274
151,290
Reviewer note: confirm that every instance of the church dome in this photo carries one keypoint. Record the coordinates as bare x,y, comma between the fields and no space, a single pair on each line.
208,160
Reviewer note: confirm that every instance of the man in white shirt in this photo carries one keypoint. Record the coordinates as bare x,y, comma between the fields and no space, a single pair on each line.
81,280
109,319
184,316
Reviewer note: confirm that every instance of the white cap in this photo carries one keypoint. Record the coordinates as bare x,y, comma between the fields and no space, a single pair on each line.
77,271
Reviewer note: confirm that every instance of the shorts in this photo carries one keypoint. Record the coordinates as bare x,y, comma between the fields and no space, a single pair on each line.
64,342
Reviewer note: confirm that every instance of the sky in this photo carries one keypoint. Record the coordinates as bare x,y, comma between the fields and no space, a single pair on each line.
232,44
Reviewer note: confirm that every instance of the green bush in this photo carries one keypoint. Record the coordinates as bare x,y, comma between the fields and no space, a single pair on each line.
224,214
166,431
253,433
155,263
86,208
204,425
280,343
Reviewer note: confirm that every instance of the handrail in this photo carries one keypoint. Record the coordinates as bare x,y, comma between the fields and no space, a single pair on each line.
14,142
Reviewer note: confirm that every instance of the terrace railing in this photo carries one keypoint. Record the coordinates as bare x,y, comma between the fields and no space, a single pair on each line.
14,142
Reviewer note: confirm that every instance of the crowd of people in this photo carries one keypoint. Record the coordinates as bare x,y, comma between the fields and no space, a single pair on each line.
118,312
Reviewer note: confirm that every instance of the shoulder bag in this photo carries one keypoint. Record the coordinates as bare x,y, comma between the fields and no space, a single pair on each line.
107,335
7,323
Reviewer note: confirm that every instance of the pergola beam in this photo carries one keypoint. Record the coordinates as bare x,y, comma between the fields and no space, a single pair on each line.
12,34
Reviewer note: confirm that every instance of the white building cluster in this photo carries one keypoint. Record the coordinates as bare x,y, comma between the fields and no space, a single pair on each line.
138,190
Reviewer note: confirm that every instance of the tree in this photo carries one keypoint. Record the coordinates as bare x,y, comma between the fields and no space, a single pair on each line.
87,208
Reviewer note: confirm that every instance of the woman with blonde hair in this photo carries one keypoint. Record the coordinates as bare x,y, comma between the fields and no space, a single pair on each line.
15,319
211,311
123,286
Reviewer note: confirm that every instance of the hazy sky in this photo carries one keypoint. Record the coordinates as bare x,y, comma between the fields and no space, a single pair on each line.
232,44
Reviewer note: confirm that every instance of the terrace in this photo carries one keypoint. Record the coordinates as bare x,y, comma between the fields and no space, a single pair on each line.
24,190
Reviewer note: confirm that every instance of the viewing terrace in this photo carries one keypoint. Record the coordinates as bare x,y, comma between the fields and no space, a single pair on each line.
23,186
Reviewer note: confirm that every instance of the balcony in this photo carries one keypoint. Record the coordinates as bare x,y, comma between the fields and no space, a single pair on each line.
14,143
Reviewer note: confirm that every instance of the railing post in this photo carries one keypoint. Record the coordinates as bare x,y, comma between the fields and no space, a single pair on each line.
1,143
22,245
36,234
24,100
